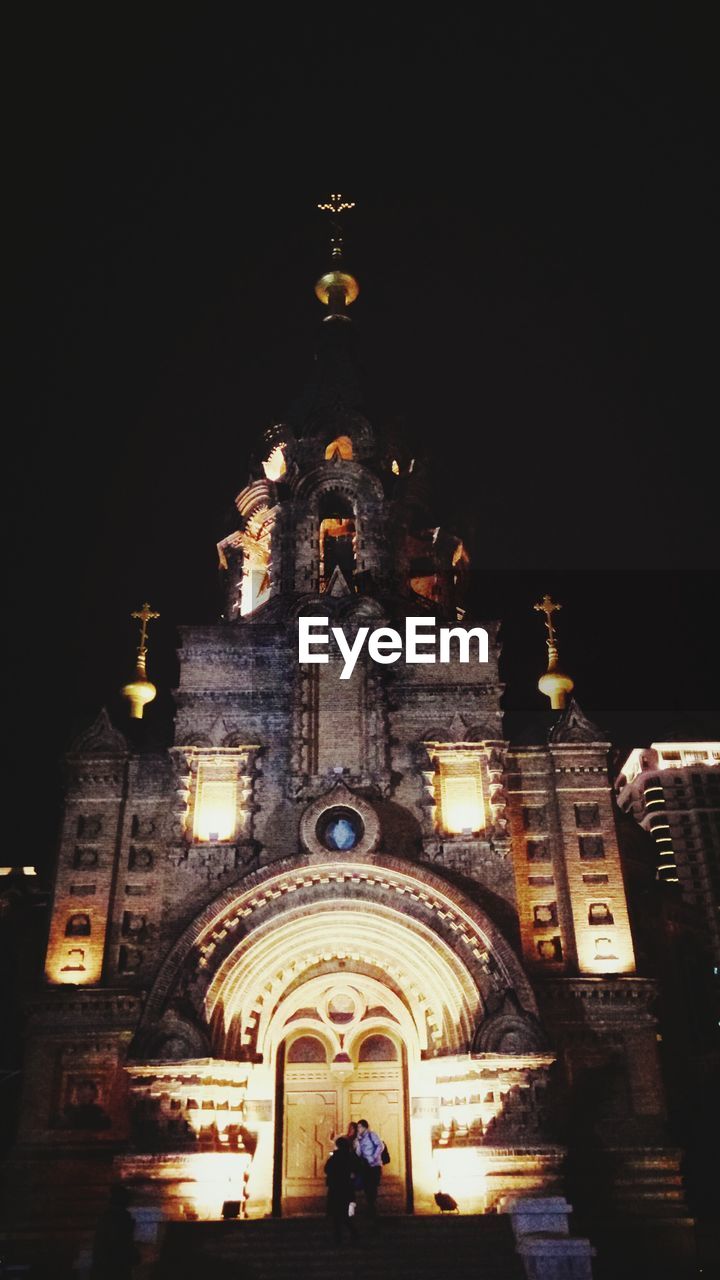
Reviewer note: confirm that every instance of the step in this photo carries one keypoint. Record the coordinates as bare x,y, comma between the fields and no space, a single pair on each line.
399,1248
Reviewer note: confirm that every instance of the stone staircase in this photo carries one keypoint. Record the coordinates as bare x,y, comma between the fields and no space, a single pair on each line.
396,1248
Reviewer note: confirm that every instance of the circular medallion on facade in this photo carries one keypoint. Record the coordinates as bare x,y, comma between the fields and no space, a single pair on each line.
340,822
340,829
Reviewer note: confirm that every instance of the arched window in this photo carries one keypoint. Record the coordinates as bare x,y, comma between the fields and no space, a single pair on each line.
339,448
307,1049
337,538
377,1049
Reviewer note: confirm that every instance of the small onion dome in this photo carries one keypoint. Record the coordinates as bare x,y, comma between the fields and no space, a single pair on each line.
329,285
556,685
139,691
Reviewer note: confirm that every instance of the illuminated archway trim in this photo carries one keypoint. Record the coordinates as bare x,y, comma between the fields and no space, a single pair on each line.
265,894
443,1002
401,1023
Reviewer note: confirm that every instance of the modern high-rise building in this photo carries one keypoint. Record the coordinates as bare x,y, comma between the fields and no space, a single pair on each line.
673,790
342,892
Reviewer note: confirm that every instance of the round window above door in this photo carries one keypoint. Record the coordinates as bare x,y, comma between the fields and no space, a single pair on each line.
340,829
340,823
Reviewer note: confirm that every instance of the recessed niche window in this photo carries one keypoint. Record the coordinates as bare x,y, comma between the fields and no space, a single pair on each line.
337,538
140,859
307,1049
342,1008
134,925
129,959
587,817
549,949
535,817
600,913
540,882
89,827
216,800
538,851
78,925
591,848
545,914
462,811
340,829
377,1049
598,879
85,858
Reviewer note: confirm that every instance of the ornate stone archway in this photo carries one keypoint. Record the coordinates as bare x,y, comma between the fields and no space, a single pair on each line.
431,914
431,968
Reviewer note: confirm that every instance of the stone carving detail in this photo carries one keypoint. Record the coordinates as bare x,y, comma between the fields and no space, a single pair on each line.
459,730
510,1029
144,827
85,858
130,960
141,859
173,1039
101,739
134,926
89,827
574,726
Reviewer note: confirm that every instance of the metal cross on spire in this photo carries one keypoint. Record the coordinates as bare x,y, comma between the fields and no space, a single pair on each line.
336,206
554,683
548,606
144,615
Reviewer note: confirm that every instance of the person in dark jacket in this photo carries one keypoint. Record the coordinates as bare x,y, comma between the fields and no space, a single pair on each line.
114,1252
340,1173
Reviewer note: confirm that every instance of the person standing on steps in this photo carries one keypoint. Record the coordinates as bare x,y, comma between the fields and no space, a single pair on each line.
340,1171
352,1137
370,1148
114,1251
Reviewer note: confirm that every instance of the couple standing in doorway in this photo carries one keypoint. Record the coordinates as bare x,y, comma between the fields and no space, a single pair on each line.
355,1164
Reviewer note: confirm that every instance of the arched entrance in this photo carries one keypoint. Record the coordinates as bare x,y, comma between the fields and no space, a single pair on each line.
347,988
357,1071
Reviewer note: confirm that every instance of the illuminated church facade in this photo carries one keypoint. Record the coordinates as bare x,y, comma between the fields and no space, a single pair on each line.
340,898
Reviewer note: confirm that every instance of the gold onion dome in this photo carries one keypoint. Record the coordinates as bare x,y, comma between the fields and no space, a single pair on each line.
332,282
556,685
553,683
140,691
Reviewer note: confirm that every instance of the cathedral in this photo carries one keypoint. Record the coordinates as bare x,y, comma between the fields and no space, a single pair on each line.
340,895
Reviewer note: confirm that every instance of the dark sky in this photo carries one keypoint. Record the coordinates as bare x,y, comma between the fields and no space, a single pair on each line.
534,243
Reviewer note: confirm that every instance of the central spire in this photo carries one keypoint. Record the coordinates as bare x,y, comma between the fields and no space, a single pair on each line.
336,288
554,683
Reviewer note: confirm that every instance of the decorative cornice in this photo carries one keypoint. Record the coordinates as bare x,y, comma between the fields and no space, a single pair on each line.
90,1008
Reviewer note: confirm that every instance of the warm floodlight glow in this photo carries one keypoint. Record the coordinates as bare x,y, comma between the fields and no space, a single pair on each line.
212,1178
75,966
339,448
461,803
216,803
274,465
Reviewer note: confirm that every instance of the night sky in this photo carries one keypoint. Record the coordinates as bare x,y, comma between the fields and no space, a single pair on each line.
533,240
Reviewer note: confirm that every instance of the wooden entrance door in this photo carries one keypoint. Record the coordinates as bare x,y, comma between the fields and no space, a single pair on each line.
318,1107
